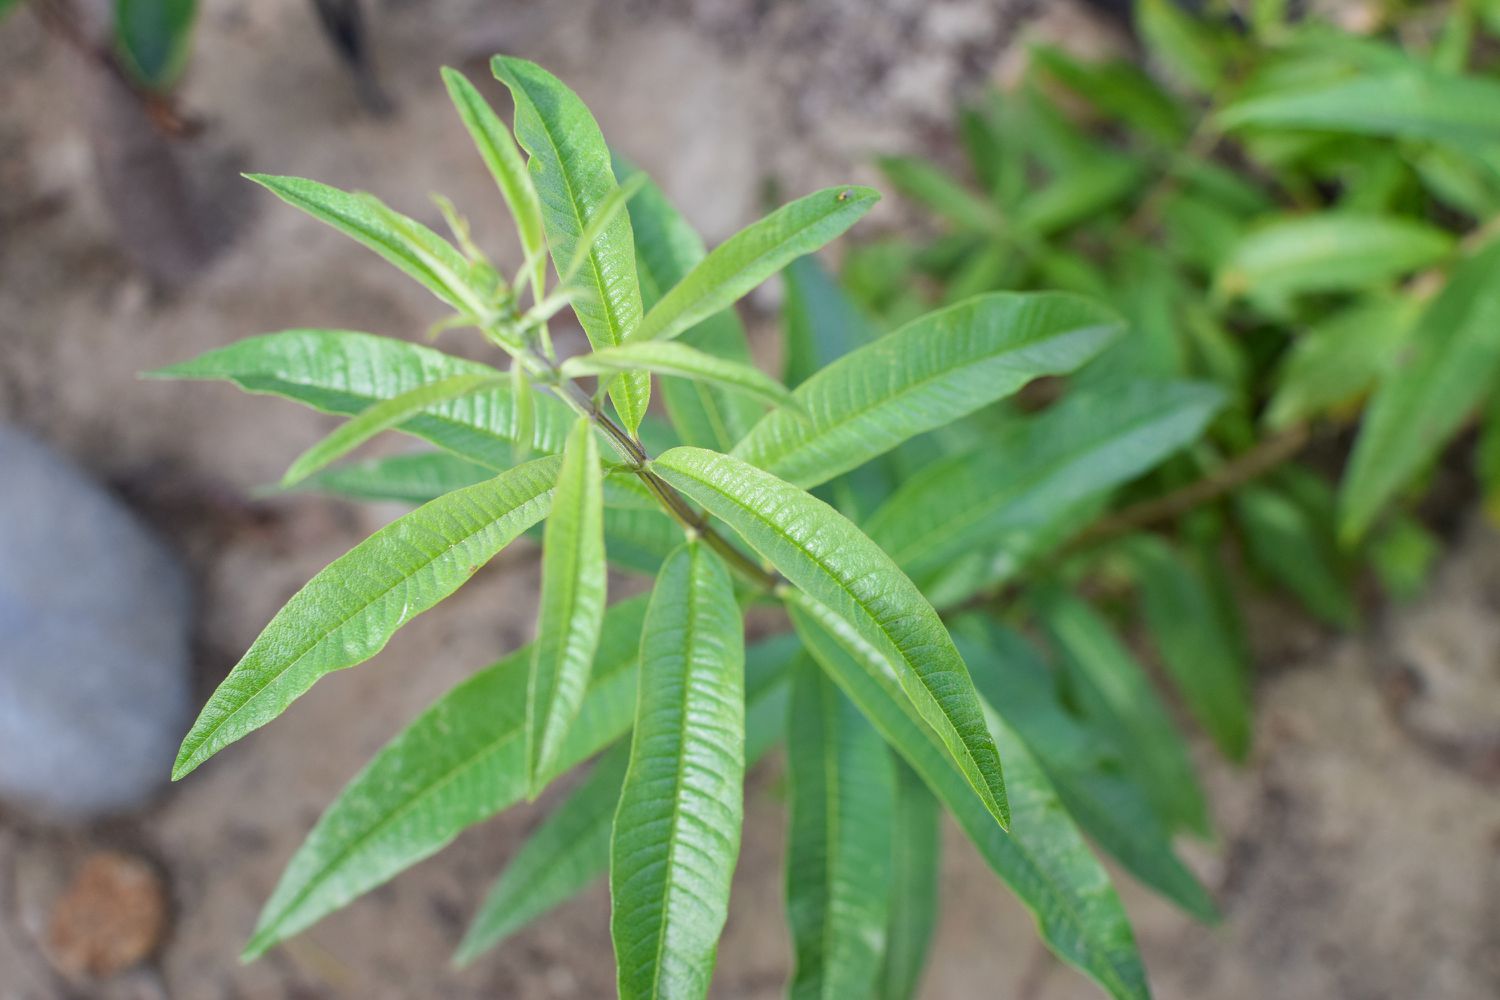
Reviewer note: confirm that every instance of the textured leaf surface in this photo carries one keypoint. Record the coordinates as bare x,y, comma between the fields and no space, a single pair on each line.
677,830
459,762
1018,481
1083,767
348,612
751,256
667,248
1043,859
341,371
1451,362
571,611
570,167
928,373
1197,647
1117,696
404,242
874,604
916,852
497,147
571,849
838,866
684,362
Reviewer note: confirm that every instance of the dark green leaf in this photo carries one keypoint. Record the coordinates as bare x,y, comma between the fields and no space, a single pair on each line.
153,37
916,848
820,322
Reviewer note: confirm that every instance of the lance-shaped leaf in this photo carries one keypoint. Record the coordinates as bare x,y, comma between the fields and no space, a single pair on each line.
819,320
928,185
348,612
1451,363
682,361
386,414
751,256
1336,360
1289,536
572,603
459,762
667,248
405,242
874,604
413,478
1457,110
677,830
841,791
571,849
1117,696
153,37
1043,859
916,851
1197,646
498,149
926,374
570,167
341,371
1083,767
1021,479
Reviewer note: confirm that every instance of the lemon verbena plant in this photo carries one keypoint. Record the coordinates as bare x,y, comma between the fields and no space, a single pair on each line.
750,492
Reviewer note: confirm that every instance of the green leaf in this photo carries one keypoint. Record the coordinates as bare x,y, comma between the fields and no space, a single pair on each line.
1182,43
523,409
841,792
153,37
1116,694
1292,541
1078,196
1119,89
1450,363
683,361
571,848
413,478
927,185
459,762
1197,647
498,149
1082,766
405,242
1403,554
667,248
677,830
1461,111
996,498
872,603
340,371
570,166
751,256
923,376
571,611
1043,859
1337,359
383,416
820,322
1328,252
916,849
348,612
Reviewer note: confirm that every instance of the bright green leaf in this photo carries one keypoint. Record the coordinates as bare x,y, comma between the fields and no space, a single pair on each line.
1182,43
668,358
1334,361
677,830
927,185
413,478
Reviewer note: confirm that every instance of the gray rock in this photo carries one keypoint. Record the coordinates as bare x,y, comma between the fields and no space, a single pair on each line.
94,642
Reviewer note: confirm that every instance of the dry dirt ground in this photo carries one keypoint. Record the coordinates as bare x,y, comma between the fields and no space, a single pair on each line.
1360,849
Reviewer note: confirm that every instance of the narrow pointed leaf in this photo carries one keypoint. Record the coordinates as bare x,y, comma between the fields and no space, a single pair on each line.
459,762
684,362
413,478
153,38
1197,647
612,207
930,372
571,849
841,791
933,188
1290,538
348,612
677,830
388,413
570,167
873,602
667,248
1043,859
406,243
916,851
820,322
341,371
751,256
1117,695
498,149
1335,361
1452,360
572,604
